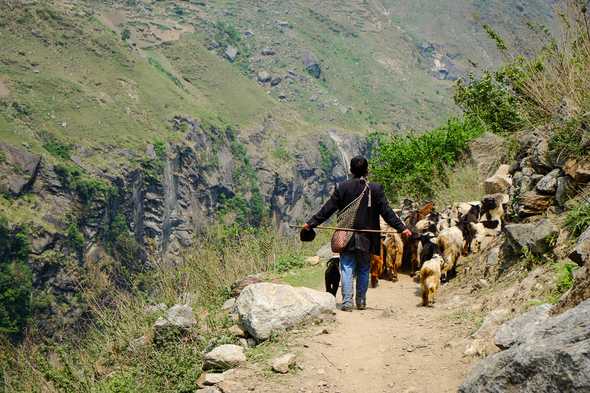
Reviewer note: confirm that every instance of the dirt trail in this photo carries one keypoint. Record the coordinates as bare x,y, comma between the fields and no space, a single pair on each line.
393,346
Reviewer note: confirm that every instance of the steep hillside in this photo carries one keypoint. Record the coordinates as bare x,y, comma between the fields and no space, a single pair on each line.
128,128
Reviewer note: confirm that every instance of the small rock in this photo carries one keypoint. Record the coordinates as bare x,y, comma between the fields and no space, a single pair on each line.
548,183
138,343
476,348
209,389
313,260
224,357
283,363
229,304
263,77
268,51
231,53
209,379
276,81
237,331
531,203
565,190
178,320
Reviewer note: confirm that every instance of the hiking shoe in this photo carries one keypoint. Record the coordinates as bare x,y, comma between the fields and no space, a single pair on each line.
361,306
346,308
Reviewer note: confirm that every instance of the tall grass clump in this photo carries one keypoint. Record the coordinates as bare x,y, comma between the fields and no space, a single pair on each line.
577,219
412,165
118,353
549,89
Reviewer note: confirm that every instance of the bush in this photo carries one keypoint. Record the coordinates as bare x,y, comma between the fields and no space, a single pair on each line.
57,148
15,280
410,165
289,262
491,100
87,188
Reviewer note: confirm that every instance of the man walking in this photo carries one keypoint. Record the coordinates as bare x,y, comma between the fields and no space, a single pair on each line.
355,259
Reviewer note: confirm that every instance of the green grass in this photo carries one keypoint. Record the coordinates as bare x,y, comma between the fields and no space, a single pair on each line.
310,277
578,217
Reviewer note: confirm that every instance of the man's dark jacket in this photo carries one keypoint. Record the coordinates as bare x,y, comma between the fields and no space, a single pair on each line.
367,217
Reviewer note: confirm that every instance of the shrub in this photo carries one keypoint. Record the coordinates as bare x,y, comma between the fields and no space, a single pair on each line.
125,34
491,100
57,148
15,280
289,262
87,188
409,165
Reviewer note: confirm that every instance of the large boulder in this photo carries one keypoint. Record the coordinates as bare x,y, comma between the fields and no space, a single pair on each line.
265,309
518,329
550,355
536,237
18,169
485,152
500,182
224,357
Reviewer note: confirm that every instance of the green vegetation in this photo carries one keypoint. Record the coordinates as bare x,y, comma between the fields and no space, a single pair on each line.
15,281
411,165
490,100
56,148
109,358
87,188
564,280
578,217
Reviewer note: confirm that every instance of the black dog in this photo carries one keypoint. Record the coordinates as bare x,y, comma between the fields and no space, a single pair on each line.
332,275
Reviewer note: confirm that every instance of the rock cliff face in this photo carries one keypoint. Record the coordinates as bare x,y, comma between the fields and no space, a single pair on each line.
156,209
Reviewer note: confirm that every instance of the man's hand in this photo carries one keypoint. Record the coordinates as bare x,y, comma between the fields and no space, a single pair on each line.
307,227
406,233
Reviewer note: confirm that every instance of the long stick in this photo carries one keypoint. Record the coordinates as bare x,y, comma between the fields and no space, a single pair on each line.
345,229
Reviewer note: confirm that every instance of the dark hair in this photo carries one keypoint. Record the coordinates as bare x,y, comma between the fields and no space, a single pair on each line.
359,166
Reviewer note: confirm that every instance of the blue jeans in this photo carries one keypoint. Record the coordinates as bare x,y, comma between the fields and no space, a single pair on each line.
351,264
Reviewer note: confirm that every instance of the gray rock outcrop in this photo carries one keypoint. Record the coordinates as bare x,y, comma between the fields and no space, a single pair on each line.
18,169
536,237
546,355
517,329
265,309
581,252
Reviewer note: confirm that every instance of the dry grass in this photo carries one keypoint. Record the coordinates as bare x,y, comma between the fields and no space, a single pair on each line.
103,360
558,82
464,184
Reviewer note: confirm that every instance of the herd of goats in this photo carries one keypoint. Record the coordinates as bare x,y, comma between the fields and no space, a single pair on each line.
439,239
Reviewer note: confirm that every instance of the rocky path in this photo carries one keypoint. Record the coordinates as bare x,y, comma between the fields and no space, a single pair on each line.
393,346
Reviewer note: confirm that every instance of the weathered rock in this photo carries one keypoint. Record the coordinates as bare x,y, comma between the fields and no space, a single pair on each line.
485,152
224,357
276,81
155,308
18,169
209,389
209,379
312,65
231,53
228,305
238,286
500,182
263,77
237,331
565,190
491,322
177,320
552,356
283,363
581,253
579,170
548,184
268,51
536,237
518,329
265,309
531,203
